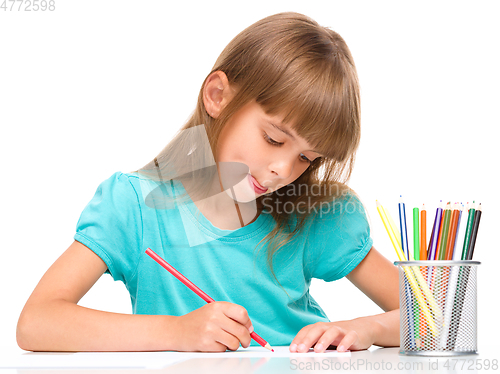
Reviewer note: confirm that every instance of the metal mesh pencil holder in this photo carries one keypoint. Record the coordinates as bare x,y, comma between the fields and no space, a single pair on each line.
438,307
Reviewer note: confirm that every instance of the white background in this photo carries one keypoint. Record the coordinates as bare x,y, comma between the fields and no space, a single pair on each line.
96,87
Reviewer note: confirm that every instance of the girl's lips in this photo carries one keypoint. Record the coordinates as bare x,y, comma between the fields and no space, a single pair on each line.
256,185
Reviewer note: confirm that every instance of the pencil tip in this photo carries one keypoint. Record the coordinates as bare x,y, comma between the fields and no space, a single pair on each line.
268,346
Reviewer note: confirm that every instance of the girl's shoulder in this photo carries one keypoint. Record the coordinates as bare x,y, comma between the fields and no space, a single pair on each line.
335,209
120,185
338,237
138,182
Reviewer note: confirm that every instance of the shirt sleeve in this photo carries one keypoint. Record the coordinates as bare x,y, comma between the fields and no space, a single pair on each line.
338,239
111,226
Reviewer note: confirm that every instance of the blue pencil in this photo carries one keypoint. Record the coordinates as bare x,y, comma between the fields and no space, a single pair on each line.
402,225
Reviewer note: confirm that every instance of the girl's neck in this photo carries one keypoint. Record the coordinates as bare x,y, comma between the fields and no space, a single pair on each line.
220,209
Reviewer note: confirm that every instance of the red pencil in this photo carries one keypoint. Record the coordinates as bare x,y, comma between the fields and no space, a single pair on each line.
198,291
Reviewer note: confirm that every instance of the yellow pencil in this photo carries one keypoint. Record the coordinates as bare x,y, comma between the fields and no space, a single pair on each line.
420,279
394,227
396,243
412,274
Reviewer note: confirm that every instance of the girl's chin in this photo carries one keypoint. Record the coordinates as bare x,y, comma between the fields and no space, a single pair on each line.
242,192
241,197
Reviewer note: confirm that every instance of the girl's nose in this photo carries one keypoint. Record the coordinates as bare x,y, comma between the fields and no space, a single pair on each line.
282,167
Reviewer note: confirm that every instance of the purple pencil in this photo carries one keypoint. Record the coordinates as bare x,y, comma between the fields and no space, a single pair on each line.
435,234
430,241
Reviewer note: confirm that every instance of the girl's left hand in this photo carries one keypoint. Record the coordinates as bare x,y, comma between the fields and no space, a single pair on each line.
355,335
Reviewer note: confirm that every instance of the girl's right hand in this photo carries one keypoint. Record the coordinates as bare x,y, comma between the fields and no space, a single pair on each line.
215,327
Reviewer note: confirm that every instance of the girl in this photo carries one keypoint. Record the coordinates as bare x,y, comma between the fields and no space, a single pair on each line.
248,201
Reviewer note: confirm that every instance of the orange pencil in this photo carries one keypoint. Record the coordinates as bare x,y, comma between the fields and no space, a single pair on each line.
423,233
452,231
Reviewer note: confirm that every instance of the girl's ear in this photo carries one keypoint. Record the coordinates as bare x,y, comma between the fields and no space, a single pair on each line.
216,93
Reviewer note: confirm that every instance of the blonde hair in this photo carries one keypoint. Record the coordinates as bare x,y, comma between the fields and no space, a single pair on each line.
294,67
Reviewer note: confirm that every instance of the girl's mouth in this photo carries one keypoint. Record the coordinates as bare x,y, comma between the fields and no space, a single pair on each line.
256,185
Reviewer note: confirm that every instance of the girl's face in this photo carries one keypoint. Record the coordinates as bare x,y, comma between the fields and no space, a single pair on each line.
273,153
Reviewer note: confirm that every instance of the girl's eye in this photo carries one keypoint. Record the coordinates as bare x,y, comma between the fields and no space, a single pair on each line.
304,158
274,142
271,141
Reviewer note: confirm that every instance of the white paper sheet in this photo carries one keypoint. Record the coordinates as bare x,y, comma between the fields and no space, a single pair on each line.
280,351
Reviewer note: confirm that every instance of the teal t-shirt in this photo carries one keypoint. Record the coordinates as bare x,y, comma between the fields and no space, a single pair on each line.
118,225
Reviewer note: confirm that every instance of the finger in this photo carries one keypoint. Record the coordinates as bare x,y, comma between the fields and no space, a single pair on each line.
237,313
305,342
349,339
238,332
330,336
229,340
299,338
215,346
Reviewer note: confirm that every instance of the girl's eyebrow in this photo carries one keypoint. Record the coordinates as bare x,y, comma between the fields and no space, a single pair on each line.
285,131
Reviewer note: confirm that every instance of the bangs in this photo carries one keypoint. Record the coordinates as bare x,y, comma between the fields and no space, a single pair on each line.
320,103
302,72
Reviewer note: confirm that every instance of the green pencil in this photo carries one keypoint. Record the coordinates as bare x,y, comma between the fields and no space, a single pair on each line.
444,234
416,235
468,231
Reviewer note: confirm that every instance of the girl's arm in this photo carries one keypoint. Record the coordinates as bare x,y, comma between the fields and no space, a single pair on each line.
377,277
52,321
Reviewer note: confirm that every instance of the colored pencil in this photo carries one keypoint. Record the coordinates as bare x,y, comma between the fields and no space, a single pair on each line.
440,236
418,285
423,234
456,234
433,306
431,240
414,275
452,233
394,227
402,224
416,255
444,233
416,234
388,227
384,215
197,290
475,227
468,231
435,234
